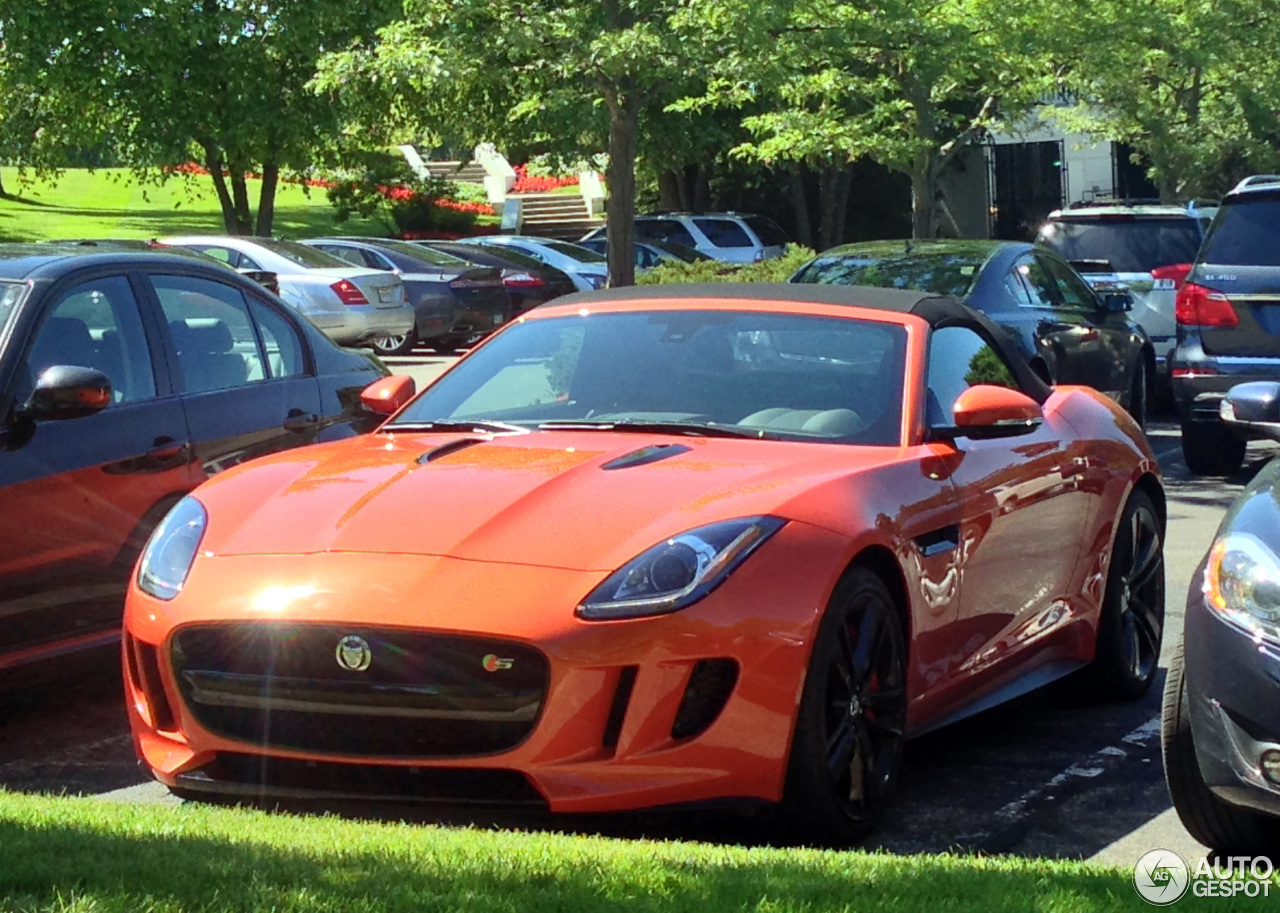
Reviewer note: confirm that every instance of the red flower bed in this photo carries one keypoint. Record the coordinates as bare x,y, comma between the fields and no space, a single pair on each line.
526,184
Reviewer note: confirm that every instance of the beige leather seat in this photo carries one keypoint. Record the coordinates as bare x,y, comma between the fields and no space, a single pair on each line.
824,422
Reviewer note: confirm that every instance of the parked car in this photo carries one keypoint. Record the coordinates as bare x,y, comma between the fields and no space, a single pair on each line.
126,379
686,544
730,236
349,304
1221,720
586,268
1228,321
650,253
1068,332
455,302
1148,248
529,282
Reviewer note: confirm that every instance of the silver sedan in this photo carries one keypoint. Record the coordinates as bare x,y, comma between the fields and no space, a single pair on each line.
351,305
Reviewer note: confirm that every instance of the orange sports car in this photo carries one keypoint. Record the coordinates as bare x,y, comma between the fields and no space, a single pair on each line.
654,546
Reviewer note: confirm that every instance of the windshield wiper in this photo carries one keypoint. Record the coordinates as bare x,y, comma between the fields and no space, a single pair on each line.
463,426
687,428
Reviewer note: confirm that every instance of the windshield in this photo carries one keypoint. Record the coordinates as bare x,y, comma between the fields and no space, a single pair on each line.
11,295
301,254
1132,245
509,255
758,374
581,254
939,274
1246,233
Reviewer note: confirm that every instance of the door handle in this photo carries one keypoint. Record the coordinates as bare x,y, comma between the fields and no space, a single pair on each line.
166,448
297,420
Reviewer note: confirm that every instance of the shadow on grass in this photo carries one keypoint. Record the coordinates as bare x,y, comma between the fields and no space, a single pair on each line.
126,859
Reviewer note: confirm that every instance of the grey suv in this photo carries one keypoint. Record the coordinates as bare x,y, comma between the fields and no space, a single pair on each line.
1228,313
1147,248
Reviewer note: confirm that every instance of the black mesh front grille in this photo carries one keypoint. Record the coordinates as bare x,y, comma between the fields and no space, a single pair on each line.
251,775
355,690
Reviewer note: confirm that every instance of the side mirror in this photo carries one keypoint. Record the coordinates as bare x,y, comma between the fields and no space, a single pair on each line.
68,391
1115,302
387,396
985,411
1254,406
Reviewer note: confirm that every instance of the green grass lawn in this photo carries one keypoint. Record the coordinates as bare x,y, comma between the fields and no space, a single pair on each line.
109,203
80,855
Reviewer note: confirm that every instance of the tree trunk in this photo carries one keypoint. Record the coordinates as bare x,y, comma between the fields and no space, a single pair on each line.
701,187
843,185
924,194
213,162
621,216
669,190
800,203
830,226
240,195
267,198
688,177
3,193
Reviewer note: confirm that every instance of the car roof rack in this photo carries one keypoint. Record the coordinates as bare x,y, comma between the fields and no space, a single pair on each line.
1255,181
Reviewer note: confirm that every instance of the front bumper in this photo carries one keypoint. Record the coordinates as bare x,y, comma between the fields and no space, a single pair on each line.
1233,683
606,737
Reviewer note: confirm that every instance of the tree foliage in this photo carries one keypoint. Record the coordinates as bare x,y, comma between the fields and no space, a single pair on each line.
223,80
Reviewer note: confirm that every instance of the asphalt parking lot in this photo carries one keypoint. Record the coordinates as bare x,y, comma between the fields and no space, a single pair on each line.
1043,776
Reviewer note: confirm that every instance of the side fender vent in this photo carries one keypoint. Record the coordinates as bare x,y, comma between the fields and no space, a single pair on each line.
710,684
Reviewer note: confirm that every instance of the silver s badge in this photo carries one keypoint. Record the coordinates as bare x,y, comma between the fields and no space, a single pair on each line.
354,653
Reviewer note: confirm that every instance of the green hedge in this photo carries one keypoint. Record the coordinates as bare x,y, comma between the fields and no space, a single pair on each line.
777,270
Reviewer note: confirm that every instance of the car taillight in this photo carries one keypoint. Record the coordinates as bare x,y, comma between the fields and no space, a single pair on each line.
1174,273
1194,372
523,280
347,292
1200,306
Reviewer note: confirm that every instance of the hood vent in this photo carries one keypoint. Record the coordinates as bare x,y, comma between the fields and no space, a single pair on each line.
646,455
452,447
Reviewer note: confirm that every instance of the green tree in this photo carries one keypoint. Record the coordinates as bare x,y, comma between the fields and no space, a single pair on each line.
909,83
559,76
167,80
1193,85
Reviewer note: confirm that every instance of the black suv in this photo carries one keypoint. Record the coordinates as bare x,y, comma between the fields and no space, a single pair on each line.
1228,313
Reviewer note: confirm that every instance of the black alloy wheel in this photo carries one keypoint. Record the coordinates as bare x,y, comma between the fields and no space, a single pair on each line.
1131,625
850,731
395,345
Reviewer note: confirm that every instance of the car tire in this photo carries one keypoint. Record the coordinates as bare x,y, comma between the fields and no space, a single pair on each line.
1138,402
847,748
394,345
1218,825
1211,449
444,345
1131,623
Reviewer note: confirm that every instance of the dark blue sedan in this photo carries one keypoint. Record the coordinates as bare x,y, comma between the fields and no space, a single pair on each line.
1070,333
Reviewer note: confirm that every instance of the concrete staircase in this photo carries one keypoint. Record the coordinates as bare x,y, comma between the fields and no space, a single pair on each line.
461,172
555,215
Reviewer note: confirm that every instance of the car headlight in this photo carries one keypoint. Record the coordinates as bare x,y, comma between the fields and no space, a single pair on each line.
167,559
1242,583
678,572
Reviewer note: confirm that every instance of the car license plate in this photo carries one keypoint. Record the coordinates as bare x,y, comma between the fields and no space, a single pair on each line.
385,294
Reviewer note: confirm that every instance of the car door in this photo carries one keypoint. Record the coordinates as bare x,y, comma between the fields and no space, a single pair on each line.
247,380
1065,333
1023,516
79,496
1113,353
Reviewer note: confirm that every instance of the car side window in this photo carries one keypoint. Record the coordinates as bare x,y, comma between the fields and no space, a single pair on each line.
960,358
233,258
723,232
209,322
375,260
96,325
1017,289
350,254
1073,291
667,230
1039,286
279,340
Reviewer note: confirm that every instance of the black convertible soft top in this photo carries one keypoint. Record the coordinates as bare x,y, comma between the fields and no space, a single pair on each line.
936,310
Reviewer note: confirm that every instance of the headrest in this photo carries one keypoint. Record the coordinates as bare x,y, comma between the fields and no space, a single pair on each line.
202,339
